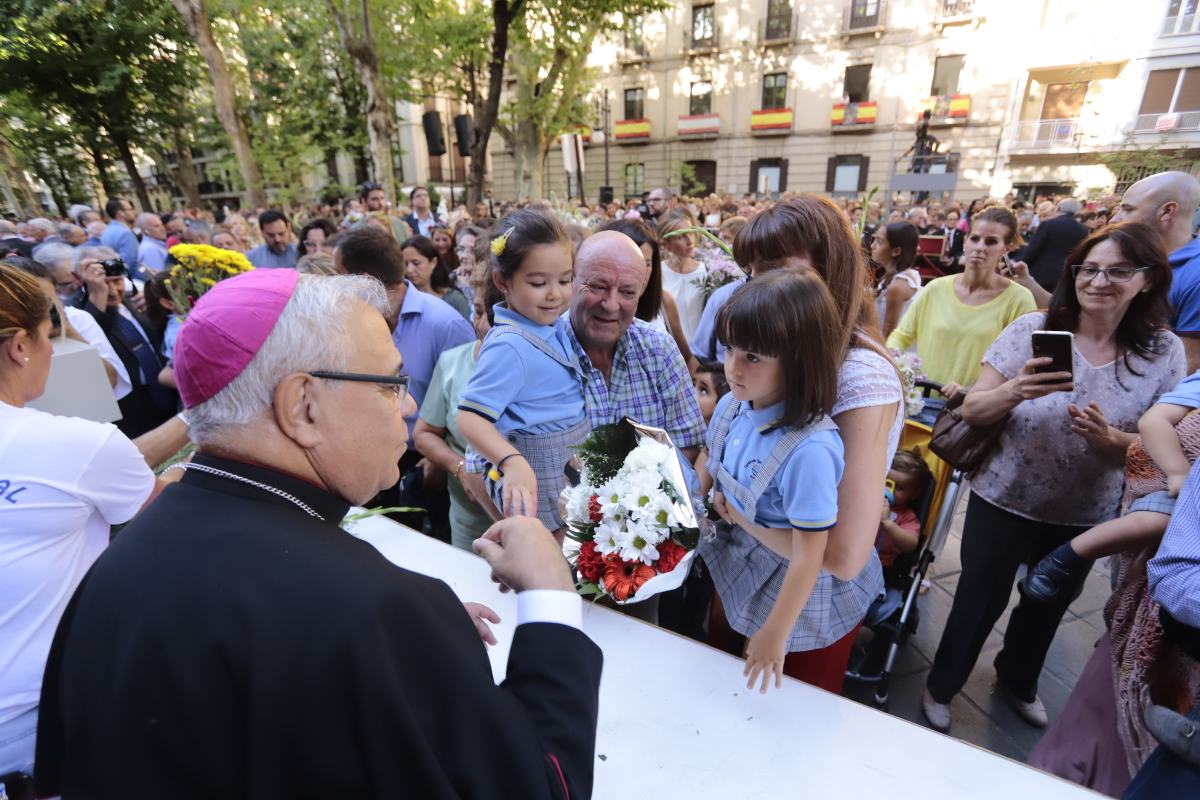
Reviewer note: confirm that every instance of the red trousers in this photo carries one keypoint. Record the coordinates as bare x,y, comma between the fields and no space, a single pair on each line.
824,668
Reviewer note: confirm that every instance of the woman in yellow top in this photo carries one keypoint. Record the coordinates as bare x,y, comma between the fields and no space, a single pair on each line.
954,319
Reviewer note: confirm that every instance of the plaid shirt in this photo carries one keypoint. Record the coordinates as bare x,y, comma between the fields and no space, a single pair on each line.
650,384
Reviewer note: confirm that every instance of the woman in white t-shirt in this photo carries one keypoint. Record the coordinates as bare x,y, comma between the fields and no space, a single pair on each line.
63,483
894,250
683,274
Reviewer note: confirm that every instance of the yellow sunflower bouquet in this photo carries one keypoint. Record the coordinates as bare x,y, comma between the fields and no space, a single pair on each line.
198,268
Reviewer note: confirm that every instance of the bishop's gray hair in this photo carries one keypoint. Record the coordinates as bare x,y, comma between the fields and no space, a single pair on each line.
310,335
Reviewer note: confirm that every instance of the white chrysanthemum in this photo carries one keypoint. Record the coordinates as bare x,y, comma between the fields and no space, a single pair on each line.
658,514
638,544
648,455
607,537
577,502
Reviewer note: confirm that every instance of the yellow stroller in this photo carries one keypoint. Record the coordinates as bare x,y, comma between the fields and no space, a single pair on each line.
894,617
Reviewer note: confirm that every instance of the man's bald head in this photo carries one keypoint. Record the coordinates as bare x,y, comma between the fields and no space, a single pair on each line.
610,276
1167,201
151,225
611,247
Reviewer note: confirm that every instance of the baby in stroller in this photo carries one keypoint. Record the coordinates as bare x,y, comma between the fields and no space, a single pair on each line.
900,527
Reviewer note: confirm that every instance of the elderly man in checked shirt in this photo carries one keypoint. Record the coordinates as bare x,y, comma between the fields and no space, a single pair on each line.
1173,770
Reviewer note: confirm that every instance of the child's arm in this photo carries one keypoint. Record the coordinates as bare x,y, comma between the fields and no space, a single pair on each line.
906,538
768,647
1157,427
520,484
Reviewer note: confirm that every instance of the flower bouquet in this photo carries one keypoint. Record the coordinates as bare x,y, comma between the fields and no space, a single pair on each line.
632,523
198,268
910,371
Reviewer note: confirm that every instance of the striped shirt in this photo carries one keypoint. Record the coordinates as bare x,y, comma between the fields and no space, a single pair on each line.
1174,573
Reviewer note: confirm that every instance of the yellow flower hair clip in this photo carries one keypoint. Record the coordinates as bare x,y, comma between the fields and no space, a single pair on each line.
499,242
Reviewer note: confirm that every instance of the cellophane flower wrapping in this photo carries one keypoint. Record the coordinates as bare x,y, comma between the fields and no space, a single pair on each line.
633,521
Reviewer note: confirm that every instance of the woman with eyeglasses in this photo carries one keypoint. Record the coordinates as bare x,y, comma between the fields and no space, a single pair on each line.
1058,466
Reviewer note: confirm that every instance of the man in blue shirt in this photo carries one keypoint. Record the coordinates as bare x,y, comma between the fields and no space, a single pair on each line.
119,233
1167,202
152,251
279,252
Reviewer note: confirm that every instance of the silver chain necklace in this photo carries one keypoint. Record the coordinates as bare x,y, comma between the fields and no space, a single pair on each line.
265,487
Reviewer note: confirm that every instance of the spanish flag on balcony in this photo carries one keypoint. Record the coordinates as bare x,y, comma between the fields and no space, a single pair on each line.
770,119
627,129
866,113
853,113
960,106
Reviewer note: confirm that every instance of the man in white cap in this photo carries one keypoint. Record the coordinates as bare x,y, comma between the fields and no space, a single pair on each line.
234,641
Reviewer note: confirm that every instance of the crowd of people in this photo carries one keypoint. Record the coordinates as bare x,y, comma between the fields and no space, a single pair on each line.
443,363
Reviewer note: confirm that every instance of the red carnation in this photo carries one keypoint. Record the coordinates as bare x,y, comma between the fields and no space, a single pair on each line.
669,556
594,509
590,563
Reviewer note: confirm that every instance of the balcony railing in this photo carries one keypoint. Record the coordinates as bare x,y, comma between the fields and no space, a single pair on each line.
850,116
777,30
771,121
631,130
1182,23
634,49
698,126
1168,122
864,16
948,109
1047,133
955,8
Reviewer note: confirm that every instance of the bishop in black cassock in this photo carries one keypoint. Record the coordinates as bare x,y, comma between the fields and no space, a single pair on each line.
235,642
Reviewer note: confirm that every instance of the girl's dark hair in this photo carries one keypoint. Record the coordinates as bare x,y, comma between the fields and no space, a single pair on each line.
650,303
317,224
440,277
812,226
716,370
1150,311
910,463
156,290
790,315
35,268
1001,216
491,296
526,229
905,236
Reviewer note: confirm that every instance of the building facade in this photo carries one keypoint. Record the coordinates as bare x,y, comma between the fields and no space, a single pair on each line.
768,96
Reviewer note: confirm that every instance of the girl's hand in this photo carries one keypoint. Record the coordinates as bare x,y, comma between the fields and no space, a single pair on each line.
722,507
1175,484
764,658
520,488
481,615
1030,385
886,516
1091,424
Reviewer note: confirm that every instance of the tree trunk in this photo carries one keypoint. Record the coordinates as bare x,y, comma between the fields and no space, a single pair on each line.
25,202
331,166
110,188
185,173
362,166
196,19
504,13
139,185
379,113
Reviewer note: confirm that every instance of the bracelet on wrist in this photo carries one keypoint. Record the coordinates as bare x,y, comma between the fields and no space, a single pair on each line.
497,471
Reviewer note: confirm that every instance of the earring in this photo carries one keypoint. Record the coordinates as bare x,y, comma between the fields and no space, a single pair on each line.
26,359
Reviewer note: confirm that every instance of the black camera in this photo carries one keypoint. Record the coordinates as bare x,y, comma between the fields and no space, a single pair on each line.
113,267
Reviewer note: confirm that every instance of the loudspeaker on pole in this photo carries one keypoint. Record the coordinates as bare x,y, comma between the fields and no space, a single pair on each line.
432,122
462,132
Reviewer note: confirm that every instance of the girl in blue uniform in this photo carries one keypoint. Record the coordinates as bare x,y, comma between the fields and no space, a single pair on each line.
776,459
523,408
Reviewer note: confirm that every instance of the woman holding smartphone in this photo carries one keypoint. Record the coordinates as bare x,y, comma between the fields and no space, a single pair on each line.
1057,468
954,318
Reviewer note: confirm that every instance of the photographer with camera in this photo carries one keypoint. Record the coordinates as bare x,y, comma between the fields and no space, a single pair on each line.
136,341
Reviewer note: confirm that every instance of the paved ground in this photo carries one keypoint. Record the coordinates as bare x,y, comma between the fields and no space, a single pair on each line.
980,716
